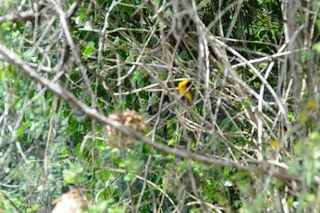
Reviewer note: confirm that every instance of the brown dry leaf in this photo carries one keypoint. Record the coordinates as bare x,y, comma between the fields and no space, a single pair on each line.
70,202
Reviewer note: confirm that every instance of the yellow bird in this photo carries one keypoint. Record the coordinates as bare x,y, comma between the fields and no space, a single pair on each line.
184,89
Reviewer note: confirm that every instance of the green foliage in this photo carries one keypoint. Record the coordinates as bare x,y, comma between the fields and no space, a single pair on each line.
73,175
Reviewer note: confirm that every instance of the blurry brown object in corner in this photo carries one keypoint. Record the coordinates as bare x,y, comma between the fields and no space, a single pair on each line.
70,202
129,118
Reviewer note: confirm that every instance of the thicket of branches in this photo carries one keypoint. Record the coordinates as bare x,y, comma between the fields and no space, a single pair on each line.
248,142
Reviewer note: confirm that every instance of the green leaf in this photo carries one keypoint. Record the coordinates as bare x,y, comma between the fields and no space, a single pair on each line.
310,198
73,175
33,208
316,46
171,141
105,175
88,50
130,177
23,127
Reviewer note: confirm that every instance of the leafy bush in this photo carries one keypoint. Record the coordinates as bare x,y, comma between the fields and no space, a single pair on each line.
247,142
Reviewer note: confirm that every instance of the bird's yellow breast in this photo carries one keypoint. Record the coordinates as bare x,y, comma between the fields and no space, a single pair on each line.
183,90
